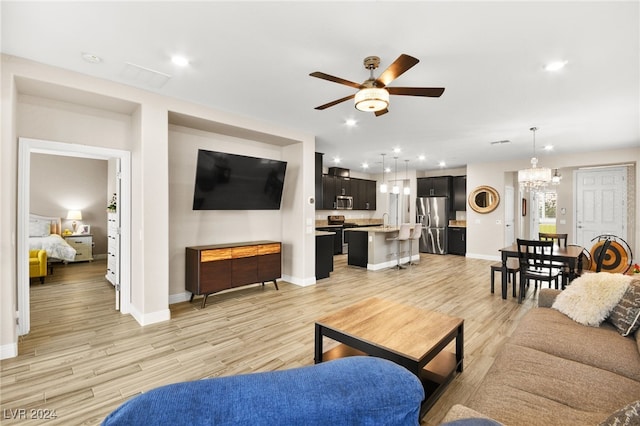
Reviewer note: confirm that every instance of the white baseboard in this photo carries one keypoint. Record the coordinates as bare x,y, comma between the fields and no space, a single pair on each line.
9,351
179,297
483,256
302,282
150,318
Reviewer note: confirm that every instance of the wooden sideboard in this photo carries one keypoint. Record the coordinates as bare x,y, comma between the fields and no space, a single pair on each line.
218,267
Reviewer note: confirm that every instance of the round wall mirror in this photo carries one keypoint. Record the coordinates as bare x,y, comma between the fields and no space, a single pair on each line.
484,199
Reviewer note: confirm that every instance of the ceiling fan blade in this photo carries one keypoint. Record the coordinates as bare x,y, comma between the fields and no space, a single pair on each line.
432,92
379,113
336,102
396,69
328,77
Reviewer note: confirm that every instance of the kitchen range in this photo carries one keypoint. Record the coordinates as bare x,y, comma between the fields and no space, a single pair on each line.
337,224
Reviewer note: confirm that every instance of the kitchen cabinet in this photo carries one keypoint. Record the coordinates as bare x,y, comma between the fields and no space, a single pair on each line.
328,192
460,193
439,186
337,238
324,254
343,186
457,237
364,194
318,181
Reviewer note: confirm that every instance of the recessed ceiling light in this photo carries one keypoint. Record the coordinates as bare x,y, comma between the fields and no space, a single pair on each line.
350,122
421,157
548,148
365,165
555,66
396,150
442,164
336,160
180,61
91,58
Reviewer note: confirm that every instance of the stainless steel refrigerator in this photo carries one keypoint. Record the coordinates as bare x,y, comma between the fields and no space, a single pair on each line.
433,213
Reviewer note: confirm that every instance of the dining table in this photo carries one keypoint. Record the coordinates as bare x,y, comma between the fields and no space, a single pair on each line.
570,255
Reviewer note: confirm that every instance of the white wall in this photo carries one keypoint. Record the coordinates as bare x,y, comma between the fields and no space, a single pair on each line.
485,236
204,227
49,103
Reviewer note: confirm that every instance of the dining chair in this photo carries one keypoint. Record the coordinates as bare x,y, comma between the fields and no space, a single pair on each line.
513,267
403,235
536,264
559,239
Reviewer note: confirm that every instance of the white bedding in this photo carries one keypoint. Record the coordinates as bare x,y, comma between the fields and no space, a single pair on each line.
54,245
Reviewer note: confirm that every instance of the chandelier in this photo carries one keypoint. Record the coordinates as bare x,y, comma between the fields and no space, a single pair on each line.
534,178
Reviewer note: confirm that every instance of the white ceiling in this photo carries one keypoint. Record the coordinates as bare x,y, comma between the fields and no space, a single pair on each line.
254,59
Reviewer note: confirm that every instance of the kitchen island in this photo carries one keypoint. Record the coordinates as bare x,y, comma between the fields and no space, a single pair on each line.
369,247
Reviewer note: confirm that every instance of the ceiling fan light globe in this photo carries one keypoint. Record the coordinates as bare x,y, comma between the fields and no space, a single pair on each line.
372,99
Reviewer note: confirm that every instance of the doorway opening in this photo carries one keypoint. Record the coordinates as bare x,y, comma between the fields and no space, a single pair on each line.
26,148
546,211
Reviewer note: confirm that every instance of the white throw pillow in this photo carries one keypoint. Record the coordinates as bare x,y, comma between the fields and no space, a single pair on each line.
39,228
590,298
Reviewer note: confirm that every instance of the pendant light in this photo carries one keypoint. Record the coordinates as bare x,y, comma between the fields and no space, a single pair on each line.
407,189
534,178
396,188
383,185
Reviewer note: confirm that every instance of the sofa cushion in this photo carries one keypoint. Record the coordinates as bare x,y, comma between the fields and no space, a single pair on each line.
550,331
590,298
625,316
629,415
355,390
526,386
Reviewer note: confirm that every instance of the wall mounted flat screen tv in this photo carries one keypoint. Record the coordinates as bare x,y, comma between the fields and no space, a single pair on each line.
237,182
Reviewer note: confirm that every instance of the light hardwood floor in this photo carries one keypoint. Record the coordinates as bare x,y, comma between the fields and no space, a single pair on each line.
82,359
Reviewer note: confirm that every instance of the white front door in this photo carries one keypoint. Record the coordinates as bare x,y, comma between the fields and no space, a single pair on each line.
601,204
509,216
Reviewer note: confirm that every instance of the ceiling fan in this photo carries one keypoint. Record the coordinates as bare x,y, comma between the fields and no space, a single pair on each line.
373,94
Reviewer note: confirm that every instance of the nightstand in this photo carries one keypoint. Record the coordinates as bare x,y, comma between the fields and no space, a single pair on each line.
83,244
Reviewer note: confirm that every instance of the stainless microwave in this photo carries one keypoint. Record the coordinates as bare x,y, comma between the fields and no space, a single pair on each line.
344,202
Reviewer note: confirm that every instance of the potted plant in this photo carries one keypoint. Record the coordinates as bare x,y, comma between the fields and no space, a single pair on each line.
113,204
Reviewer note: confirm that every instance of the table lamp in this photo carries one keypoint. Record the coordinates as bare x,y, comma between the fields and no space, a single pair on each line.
74,215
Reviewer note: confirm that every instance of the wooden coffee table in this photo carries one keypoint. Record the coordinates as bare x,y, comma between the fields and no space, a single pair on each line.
414,338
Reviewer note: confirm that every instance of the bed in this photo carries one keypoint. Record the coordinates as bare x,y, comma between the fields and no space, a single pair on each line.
44,234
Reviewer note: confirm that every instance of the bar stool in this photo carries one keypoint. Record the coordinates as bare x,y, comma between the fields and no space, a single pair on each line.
403,235
416,233
513,266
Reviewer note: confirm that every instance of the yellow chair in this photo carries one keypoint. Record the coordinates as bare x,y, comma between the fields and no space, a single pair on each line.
38,264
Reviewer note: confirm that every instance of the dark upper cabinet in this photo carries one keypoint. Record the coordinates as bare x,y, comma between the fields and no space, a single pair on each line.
439,186
318,181
460,193
364,194
343,186
328,192
370,194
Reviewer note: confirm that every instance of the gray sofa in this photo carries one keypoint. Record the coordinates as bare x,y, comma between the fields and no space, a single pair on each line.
555,371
